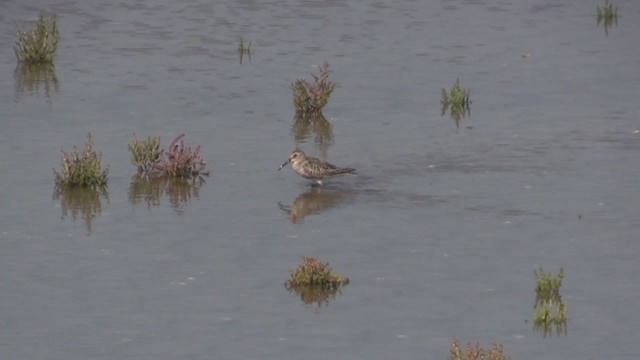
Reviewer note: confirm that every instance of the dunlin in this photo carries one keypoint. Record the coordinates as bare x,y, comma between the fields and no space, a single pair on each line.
312,168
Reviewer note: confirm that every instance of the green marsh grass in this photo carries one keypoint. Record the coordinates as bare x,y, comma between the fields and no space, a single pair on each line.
310,97
38,45
81,168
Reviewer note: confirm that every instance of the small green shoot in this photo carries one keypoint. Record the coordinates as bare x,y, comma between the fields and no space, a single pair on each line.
39,44
551,313
81,168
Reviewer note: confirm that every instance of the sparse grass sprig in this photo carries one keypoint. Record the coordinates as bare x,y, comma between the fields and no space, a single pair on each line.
244,49
82,168
476,352
314,272
312,97
458,96
145,153
39,44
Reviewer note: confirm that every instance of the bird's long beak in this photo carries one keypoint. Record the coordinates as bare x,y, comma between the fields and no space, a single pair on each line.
284,164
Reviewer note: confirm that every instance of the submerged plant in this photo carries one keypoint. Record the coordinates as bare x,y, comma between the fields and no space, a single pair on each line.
145,153
476,352
312,97
314,272
39,44
81,168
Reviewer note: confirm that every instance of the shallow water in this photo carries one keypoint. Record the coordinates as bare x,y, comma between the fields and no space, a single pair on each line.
440,232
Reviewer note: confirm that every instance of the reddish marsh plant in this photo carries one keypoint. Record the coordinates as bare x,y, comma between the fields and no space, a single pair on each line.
179,161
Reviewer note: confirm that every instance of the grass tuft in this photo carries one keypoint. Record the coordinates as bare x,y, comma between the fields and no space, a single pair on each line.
476,352
81,168
38,45
458,96
145,153
311,97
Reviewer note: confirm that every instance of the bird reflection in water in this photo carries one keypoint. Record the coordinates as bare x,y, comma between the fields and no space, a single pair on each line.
315,201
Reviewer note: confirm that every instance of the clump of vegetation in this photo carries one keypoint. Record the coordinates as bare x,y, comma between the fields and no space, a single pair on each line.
82,168
39,44
315,282
551,312
244,49
314,272
145,153
608,16
179,161
476,352
311,97
548,285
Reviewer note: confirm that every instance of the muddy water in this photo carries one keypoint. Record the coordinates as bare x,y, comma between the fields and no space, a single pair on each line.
440,232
